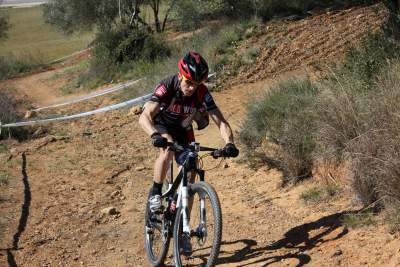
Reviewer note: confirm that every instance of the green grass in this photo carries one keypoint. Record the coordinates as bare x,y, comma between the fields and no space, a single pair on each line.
30,35
315,194
4,178
312,196
358,220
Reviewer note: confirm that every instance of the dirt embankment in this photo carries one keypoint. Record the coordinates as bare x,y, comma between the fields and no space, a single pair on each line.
53,212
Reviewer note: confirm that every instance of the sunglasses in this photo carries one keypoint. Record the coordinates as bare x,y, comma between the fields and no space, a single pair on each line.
190,82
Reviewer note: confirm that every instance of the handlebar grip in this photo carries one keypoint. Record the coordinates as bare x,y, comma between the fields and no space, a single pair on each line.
218,153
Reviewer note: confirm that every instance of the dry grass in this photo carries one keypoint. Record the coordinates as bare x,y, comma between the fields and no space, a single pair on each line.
30,35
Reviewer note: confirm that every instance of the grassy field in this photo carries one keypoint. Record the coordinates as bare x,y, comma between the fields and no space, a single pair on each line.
30,35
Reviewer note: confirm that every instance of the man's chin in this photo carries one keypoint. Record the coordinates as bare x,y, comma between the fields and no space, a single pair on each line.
187,94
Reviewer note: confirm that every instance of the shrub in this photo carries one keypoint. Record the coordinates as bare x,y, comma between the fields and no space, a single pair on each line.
239,8
316,194
376,151
312,195
364,62
357,220
124,44
4,179
284,115
121,46
250,54
356,120
11,66
185,9
268,9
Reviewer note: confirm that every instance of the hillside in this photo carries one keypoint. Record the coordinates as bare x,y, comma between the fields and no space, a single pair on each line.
51,209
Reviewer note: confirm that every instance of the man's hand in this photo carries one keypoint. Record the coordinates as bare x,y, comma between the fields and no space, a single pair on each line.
230,150
158,140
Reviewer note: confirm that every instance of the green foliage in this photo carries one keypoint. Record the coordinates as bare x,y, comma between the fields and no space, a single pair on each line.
73,15
332,189
393,218
239,8
268,9
316,194
284,115
357,220
115,49
356,119
363,63
185,9
76,15
3,148
230,38
312,195
11,66
250,55
221,61
4,179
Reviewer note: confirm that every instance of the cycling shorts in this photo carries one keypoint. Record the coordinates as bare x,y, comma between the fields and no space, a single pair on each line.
180,135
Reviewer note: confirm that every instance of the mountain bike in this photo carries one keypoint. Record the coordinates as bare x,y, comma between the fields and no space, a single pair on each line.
189,210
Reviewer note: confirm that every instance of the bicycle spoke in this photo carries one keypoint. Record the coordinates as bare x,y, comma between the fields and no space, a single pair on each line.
205,225
156,237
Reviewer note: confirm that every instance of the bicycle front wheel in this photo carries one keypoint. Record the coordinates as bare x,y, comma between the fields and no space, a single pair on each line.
206,228
156,236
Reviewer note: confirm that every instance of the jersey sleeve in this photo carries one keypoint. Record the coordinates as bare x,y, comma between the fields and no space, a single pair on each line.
208,101
160,94
163,91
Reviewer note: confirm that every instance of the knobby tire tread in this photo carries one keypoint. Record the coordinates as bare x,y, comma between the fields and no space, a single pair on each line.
215,204
155,260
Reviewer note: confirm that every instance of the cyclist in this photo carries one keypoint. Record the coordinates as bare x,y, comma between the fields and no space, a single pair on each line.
168,115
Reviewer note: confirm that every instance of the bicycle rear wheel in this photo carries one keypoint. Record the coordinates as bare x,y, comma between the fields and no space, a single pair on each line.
156,236
205,225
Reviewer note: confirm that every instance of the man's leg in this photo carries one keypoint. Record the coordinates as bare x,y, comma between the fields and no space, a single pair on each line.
160,171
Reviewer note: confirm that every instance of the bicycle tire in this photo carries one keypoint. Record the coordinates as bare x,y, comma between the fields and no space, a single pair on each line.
200,188
155,258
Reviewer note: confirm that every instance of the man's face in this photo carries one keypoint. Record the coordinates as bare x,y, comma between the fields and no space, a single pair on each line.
188,87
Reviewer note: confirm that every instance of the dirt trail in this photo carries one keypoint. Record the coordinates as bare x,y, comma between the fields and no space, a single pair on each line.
52,207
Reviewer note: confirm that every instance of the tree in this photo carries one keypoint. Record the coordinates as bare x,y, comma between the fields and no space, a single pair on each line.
72,15
155,6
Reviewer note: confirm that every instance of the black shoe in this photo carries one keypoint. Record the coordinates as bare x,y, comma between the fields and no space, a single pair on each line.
186,245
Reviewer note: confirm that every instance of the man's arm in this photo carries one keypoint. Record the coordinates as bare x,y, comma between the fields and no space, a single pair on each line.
150,109
224,127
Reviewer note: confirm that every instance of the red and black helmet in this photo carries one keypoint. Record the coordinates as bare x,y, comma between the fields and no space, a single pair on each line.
193,67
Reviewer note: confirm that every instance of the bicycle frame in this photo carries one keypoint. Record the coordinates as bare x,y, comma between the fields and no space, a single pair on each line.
180,185
172,222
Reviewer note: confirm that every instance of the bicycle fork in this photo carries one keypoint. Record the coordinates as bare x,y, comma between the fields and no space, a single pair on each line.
183,200
185,210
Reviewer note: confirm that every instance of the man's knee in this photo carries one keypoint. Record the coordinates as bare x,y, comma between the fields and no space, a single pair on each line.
165,155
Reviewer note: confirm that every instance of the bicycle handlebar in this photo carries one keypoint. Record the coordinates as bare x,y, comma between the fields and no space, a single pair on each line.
195,147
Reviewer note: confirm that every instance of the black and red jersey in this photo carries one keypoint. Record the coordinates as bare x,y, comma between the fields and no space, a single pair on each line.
177,110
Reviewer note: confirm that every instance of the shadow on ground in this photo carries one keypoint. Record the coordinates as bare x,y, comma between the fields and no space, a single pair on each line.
24,216
298,238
